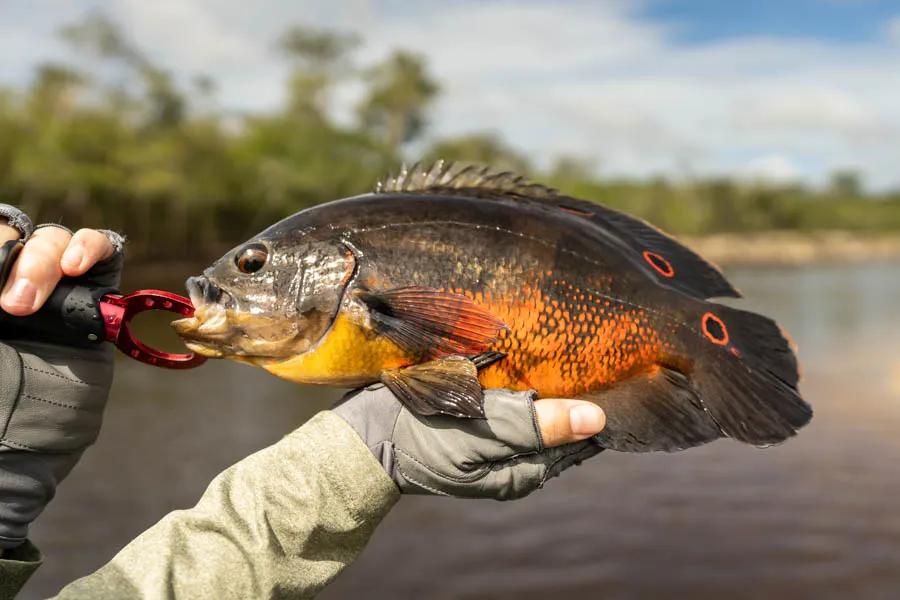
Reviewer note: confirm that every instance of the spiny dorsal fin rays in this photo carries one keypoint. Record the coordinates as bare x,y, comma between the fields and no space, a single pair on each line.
438,177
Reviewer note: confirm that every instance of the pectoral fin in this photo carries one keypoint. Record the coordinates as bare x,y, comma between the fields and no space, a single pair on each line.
432,323
447,386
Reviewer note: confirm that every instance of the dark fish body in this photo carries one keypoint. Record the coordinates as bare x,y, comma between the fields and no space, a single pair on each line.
566,297
580,315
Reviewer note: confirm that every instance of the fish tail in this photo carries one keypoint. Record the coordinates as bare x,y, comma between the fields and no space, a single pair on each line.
746,374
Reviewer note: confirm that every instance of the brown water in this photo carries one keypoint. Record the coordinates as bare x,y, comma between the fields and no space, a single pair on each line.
817,517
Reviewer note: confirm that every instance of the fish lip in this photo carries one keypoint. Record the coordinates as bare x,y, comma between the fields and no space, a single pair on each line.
194,292
188,330
211,345
203,349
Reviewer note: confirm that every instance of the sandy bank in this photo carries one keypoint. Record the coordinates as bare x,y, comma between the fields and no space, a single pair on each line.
792,248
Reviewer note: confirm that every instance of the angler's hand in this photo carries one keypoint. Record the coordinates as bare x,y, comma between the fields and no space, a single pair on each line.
50,253
51,396
519,446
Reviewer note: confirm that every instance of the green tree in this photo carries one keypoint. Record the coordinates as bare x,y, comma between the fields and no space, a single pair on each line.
846,182
102,37
318,59
400,92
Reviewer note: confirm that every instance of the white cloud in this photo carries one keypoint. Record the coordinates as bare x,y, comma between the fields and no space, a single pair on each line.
186,36
772,168
892,29
810,112
575,77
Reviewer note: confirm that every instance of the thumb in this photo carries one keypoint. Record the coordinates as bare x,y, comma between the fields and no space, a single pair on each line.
563,421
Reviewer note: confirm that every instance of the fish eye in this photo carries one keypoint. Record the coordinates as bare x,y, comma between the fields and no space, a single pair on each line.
251,258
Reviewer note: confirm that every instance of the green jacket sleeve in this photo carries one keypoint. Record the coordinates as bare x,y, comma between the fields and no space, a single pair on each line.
16,567
281,523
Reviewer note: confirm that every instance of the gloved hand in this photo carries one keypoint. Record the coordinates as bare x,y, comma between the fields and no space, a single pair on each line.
507,455
51,396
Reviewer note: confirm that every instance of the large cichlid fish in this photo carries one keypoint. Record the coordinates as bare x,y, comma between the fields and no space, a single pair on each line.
446,281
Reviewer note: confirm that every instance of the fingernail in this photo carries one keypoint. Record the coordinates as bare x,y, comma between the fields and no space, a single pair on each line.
22,294
73,256
587,419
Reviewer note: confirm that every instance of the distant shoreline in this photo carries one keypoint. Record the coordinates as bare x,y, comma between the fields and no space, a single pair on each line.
791,248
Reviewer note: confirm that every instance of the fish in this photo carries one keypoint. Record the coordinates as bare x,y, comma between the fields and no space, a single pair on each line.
448,280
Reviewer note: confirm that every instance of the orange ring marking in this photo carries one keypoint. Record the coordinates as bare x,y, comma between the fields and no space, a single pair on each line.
704,325
666,269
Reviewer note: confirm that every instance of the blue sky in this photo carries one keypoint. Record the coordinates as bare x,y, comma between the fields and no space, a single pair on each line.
699,21
784,91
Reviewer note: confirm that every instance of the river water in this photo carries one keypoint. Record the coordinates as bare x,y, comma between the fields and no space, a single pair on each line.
817,517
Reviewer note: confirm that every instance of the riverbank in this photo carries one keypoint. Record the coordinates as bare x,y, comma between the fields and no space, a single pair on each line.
788,248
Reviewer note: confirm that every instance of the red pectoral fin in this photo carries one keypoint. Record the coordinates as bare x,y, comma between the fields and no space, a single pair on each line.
432,323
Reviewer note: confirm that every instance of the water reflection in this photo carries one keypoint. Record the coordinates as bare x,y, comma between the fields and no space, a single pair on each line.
816,517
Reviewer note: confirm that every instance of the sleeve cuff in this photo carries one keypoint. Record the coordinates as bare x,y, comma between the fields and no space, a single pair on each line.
16,566
347,463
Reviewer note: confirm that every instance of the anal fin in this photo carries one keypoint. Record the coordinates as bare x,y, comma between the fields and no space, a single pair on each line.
446,386
659,410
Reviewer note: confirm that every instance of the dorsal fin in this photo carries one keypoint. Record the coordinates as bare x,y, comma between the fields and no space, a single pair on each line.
452,176
659,255
665,258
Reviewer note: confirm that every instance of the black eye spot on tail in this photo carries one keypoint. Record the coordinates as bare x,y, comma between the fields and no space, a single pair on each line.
659,264
714,329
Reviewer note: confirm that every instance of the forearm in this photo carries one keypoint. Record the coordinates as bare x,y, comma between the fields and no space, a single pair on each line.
280,523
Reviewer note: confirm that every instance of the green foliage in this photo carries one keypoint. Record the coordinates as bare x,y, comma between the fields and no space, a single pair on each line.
400,89
316,49
154,158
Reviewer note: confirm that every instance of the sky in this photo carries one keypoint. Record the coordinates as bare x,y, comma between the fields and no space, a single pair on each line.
787,90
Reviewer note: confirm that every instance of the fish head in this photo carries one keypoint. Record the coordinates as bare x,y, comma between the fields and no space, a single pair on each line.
268,299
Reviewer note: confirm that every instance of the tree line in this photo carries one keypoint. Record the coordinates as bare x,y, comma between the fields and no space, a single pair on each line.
125,144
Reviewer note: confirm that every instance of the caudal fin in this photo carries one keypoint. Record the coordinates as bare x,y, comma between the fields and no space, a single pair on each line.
746,374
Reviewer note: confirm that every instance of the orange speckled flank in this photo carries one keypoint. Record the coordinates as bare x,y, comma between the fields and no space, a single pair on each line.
568,341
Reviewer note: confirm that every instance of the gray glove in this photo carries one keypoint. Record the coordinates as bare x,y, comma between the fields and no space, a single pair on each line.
51,407
500,457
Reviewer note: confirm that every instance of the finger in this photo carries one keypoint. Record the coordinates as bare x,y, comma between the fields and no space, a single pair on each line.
36,272
563,421
8,233
86,248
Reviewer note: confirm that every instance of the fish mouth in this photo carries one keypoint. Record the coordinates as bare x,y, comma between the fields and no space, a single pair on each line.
204,334
209,329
